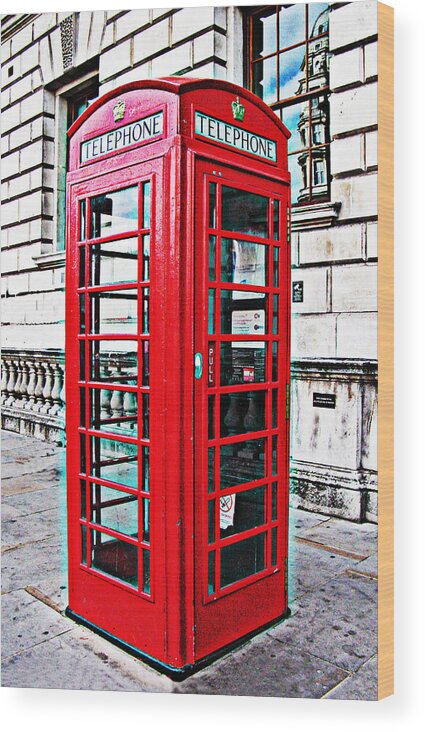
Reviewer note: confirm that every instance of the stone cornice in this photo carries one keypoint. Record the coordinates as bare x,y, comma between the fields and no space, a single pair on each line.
11,24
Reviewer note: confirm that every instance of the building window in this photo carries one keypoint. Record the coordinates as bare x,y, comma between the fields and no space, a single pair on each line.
78,102
71,101
288,67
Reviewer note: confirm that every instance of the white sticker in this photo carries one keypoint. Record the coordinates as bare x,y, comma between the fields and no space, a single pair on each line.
227,511
248,322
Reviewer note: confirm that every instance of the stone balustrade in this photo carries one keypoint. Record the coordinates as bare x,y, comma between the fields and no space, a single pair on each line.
33,393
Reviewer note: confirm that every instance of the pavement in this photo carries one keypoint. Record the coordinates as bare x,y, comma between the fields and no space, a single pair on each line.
326,649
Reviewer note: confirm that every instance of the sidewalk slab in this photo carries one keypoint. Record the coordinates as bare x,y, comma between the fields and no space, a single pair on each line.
310,567
344,535
265,667
360,686
33,622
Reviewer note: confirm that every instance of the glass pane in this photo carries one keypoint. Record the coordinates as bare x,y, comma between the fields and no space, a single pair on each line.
244,212
242,412
242,559
82,301
83,453
211,521
275,267
83,545
115,461
243,262
146,257
114,212
145,310
114,262
318,75
276,220
275,323
264,79
82,267
145,363
114,361
146,520
82,220
241,462
82,407
83,511
274,455
292,72
274,501
213,205
82,361
114,411
274,408
299,169
114,557
274,546
275,356
211,257
291,25
244,313
242,365
211,311
242,511
146,571
211,400
211,464
146,205
145,416
263,35
295,117
211,572
145,469
318,18
114,312
114,509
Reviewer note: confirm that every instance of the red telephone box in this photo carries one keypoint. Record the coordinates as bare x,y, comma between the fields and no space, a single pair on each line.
177,347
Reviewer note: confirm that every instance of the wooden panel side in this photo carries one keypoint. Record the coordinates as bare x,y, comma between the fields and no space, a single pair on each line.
386,350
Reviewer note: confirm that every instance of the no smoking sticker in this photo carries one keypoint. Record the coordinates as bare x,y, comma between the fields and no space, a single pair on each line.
227,511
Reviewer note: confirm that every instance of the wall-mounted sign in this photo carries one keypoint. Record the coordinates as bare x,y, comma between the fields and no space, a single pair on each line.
325,401
219,131
140,131
298,291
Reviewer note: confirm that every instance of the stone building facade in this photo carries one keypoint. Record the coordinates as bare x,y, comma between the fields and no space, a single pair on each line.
53,64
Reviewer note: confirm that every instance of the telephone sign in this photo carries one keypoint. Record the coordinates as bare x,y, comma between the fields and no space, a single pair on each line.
177,348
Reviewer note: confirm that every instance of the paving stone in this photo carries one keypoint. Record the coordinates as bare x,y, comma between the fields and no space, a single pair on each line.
25,466
265,667
300,520
26,622
13,441
29,482
368,566
310,568
81,661
33,527
337,623
22,566
361,686
356,538
55,588
33,501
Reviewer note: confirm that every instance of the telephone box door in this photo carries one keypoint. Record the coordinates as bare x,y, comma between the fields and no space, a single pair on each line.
115,502
241,377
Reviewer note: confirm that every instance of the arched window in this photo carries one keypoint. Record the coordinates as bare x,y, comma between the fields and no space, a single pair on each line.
287,66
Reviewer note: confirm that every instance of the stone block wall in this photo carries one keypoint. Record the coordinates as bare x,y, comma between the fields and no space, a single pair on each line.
47,56
334,328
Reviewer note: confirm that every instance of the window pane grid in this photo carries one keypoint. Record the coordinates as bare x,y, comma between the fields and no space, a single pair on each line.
290,72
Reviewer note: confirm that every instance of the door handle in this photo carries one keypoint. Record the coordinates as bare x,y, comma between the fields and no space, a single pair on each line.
198,365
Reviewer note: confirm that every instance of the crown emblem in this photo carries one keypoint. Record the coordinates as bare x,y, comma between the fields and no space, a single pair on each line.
119,110
238,110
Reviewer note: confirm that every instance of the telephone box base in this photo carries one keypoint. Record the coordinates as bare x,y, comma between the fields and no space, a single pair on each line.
176,674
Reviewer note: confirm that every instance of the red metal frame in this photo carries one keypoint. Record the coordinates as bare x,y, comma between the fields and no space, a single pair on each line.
176,622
